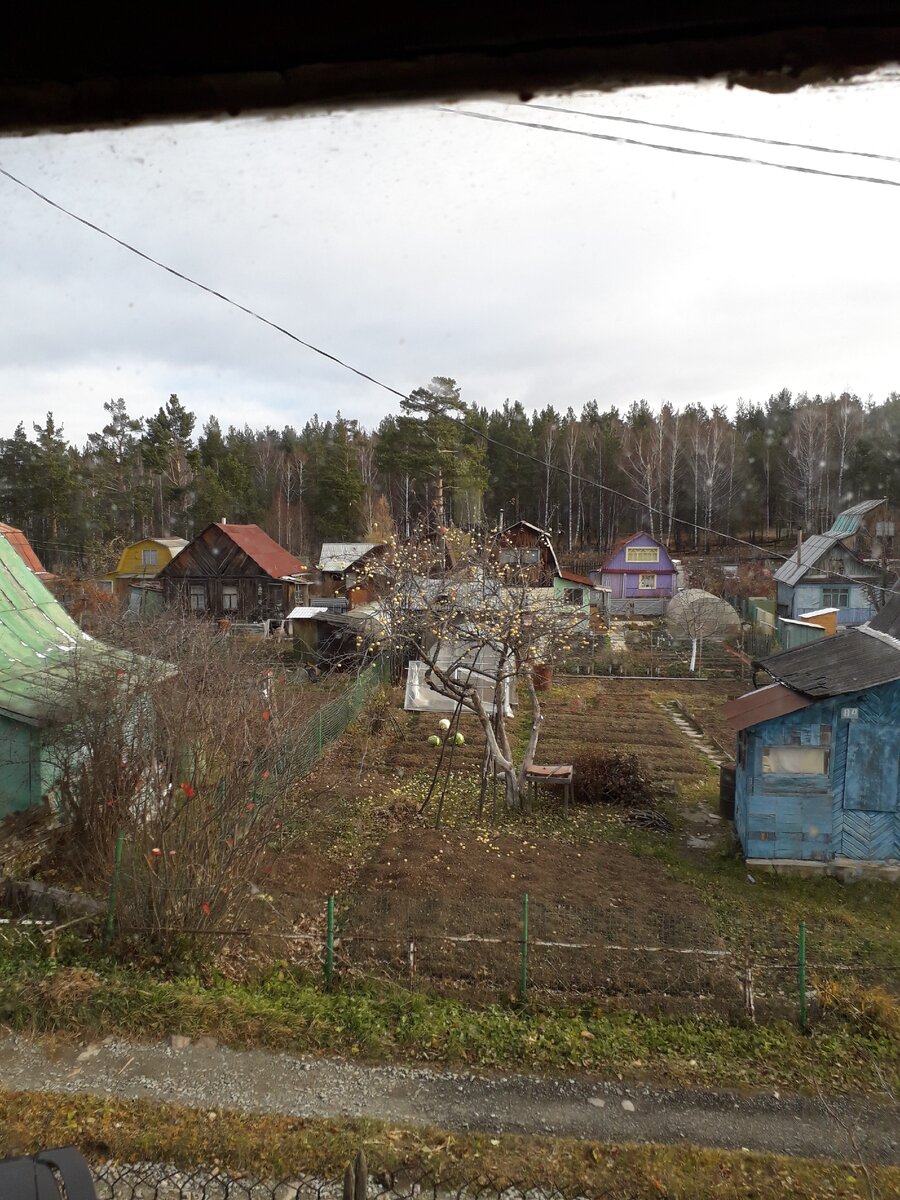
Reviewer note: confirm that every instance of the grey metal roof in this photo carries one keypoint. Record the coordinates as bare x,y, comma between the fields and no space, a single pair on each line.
338,556
331,603
845,525
806,557
888,620
846,662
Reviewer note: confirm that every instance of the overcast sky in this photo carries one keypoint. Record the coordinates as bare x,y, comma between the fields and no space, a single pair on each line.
410,242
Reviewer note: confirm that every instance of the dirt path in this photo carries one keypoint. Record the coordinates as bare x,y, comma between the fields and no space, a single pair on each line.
254,1081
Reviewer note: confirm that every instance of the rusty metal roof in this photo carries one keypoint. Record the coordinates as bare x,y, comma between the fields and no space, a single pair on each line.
571,577
23,548
762,705
265,551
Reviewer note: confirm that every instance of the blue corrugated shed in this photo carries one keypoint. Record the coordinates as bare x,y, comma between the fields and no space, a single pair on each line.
818,764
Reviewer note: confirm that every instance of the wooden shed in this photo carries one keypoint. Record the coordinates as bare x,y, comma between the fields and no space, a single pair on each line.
527,553
233,571
818,764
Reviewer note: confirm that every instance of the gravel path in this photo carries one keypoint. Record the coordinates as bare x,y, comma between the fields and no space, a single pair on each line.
208,1076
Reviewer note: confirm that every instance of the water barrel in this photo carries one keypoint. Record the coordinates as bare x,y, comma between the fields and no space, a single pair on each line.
726,793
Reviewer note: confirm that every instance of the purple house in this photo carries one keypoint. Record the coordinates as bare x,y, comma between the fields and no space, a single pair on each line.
640,575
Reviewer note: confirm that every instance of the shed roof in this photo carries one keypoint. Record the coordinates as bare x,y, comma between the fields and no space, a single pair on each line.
24,549
38,640
339,556
888,619
762,705
805,557
846,523
265,551
809,552
859,658
571,577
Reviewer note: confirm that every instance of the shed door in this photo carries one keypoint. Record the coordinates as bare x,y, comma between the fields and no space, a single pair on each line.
871,781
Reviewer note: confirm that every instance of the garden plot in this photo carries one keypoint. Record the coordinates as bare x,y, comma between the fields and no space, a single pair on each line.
444,908
623,715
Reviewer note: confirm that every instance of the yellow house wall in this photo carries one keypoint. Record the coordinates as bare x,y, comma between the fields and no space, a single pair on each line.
131,561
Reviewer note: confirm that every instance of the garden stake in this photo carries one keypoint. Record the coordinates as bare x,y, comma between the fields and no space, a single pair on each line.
523,987
801,973
114,887
329,943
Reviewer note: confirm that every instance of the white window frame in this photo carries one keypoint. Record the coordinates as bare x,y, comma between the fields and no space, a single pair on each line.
149,558
643,586
642,554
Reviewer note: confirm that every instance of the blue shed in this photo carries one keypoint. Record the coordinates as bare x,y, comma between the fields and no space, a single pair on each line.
818,763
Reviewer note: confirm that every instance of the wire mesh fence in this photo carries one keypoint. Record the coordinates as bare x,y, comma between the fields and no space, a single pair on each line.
522,950
304,746
161,1181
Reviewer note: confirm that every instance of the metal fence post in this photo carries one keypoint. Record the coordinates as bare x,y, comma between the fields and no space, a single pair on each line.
329,943
523,986
114,887
801,972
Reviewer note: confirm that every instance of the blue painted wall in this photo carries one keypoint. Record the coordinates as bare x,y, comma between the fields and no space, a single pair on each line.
852,810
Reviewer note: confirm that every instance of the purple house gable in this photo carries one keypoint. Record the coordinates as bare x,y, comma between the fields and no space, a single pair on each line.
639,568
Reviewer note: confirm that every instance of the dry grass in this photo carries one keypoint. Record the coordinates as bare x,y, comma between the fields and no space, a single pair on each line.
273,1147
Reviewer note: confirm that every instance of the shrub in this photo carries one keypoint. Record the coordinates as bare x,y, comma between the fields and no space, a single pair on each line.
611,777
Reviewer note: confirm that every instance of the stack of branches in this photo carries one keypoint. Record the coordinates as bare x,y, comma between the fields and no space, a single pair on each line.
620,780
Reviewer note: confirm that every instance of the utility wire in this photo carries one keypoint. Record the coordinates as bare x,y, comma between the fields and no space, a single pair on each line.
402,395
202,286
661,512
626,141
741,137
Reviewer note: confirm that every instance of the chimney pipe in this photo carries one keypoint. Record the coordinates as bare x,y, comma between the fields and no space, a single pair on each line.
224,521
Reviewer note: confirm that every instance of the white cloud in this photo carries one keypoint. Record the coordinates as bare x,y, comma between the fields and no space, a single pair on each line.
530,265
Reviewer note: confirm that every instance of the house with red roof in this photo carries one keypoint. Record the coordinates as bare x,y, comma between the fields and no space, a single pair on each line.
25,551
234,572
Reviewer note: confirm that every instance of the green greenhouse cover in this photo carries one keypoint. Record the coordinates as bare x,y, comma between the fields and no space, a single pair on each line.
39,644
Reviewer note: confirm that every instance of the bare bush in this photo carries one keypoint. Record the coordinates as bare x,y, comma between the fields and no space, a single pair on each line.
188,757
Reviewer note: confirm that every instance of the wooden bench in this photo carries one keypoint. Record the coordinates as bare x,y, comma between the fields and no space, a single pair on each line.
556,776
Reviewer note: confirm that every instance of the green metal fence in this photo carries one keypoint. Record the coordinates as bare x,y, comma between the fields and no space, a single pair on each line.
303,749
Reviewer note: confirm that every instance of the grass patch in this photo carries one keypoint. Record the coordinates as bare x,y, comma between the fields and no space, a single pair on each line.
379,1022
273,1147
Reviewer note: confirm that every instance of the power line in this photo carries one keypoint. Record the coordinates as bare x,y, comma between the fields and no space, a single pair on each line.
202,286
742,137
402,395
661,512
626,141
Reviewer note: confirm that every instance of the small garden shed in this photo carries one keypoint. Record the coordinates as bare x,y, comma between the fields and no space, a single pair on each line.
818,764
